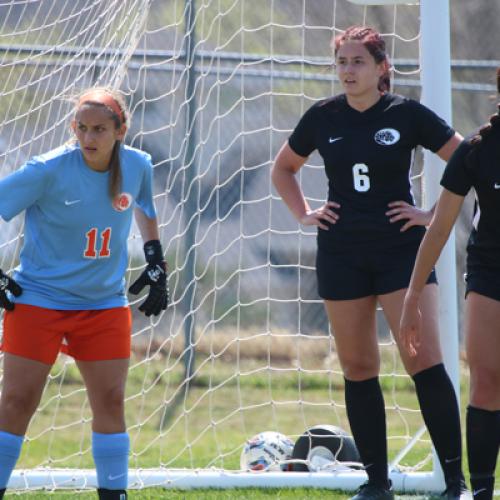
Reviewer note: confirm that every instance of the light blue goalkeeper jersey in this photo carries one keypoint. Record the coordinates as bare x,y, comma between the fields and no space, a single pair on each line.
75,238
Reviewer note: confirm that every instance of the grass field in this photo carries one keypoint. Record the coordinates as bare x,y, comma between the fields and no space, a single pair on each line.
206,426
236,494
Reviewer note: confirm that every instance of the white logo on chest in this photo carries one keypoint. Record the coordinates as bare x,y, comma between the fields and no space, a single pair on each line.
334,139
387,136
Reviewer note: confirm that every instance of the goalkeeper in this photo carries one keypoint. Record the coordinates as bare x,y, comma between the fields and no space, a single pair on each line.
68,291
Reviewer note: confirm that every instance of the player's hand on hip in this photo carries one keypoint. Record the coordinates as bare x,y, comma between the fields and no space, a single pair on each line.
8,285
410,325
154,276
401,210
320,215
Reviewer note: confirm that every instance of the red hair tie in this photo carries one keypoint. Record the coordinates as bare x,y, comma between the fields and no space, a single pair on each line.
102,97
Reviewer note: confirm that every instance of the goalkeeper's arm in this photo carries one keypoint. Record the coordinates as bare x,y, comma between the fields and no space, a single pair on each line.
155,274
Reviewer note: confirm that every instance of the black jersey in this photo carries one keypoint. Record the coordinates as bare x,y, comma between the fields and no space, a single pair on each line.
481,171
368,156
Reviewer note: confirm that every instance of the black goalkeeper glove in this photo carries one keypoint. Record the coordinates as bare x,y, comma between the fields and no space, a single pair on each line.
8,284
155,275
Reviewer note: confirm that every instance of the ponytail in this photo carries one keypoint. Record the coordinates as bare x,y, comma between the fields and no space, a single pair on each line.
384,82
115,172
485,130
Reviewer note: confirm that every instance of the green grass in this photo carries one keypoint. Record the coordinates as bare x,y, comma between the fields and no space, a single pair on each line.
233,494
201,428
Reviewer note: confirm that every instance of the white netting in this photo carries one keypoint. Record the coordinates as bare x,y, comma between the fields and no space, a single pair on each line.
215,88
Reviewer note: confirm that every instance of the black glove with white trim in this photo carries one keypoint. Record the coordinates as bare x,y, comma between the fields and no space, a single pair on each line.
8,285
155,275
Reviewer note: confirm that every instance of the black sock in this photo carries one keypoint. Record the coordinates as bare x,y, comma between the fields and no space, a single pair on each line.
482,450
439,407
366,413
105,494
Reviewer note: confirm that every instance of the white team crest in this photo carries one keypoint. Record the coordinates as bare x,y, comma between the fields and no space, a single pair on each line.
387,136
122,202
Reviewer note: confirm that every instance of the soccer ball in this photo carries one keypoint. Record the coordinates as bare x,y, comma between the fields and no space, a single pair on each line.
266,452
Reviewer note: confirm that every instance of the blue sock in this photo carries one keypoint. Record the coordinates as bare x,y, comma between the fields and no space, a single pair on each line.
10,449
110,453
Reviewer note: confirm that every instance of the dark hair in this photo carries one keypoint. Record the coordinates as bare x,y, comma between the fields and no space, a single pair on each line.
122,118
373,42
485,130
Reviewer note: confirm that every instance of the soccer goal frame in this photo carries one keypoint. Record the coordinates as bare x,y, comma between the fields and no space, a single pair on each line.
436,94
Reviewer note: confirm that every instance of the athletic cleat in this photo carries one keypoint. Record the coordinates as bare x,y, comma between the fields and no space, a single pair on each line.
372,491
105,494
457,490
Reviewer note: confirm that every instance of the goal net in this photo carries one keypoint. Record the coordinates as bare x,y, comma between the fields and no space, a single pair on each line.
215,88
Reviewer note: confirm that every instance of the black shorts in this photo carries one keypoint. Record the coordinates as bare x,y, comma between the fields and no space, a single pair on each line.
364,272
483,280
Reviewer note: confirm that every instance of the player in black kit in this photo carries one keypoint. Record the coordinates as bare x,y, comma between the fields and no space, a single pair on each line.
368,235
475,165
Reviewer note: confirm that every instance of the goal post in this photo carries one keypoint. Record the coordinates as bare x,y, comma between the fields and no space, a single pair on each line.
214,89
436,94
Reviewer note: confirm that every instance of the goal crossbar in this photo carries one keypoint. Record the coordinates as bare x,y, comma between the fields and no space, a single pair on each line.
185,479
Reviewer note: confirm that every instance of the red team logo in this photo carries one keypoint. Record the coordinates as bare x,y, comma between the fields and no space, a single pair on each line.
122,202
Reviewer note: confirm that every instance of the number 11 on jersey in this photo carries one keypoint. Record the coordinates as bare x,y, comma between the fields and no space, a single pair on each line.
91,250
360,177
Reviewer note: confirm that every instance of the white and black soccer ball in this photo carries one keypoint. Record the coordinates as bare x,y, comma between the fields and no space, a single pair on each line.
267,451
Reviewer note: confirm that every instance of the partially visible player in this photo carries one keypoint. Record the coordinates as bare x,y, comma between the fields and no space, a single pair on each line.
475,165
368,235
69,287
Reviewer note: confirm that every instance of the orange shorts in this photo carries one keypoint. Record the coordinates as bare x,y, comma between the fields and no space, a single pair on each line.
95,335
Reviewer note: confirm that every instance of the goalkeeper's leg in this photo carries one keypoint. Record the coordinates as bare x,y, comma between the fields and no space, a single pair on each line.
22,387
105,382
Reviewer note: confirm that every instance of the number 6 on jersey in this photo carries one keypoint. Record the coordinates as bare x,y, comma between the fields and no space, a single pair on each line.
361,180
